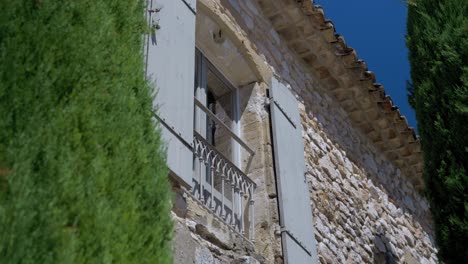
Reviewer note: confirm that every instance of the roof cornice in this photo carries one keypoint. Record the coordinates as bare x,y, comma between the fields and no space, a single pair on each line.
313,38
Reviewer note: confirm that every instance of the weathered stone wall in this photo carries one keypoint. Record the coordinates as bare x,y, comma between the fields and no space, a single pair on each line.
365,209
200,237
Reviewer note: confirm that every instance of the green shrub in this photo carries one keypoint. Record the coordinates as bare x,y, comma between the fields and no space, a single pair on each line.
438,52
82,170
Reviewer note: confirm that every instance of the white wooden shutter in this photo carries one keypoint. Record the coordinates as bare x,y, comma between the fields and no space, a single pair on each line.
294,199
170,64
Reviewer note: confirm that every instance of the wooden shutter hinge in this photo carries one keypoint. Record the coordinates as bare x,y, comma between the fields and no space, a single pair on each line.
296,239
284,112
190,7
174,131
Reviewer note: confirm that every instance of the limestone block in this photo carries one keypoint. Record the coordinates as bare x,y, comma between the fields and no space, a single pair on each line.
368,249
203,256
409,203
328,167
321,228
179,205
354,258
379,244
367,234
350,230
318,141
245,260
325,255
408,236
372,211
183,240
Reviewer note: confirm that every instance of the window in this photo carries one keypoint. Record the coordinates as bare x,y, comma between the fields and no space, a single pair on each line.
214,92
201,131
218,181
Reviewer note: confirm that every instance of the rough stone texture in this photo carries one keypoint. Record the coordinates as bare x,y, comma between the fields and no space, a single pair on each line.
357,210
201,238
365,204
256,132
184,246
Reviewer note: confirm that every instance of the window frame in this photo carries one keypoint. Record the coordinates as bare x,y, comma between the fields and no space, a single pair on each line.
203,66
218,182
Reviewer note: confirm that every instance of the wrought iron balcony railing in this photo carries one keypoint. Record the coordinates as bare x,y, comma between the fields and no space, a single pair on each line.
220,185
224,188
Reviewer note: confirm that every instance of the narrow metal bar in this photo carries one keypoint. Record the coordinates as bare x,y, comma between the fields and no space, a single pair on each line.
222,197
233,209
237,208
296,239
200,121
241,212
236,148
284,112
206,171
212,174
194,188
223,176
209,171
171,129
201,173
190,7
218,121
252,215
200,170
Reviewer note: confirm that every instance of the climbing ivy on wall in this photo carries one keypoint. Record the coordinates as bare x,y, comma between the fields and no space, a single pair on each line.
82,168
438,51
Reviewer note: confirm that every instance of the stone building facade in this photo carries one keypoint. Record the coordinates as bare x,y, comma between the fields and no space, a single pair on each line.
234,67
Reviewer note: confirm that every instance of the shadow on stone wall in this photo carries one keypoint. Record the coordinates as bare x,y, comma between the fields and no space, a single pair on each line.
383,251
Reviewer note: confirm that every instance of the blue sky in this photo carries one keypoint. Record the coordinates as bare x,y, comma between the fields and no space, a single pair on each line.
376,30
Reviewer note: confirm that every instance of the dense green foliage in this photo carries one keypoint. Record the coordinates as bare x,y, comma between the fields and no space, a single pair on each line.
82,170
438,52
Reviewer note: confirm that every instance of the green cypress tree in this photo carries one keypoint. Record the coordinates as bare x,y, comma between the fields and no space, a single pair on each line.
82,169
438,51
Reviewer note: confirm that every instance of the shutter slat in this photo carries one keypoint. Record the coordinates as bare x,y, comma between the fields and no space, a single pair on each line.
170,64
293,195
